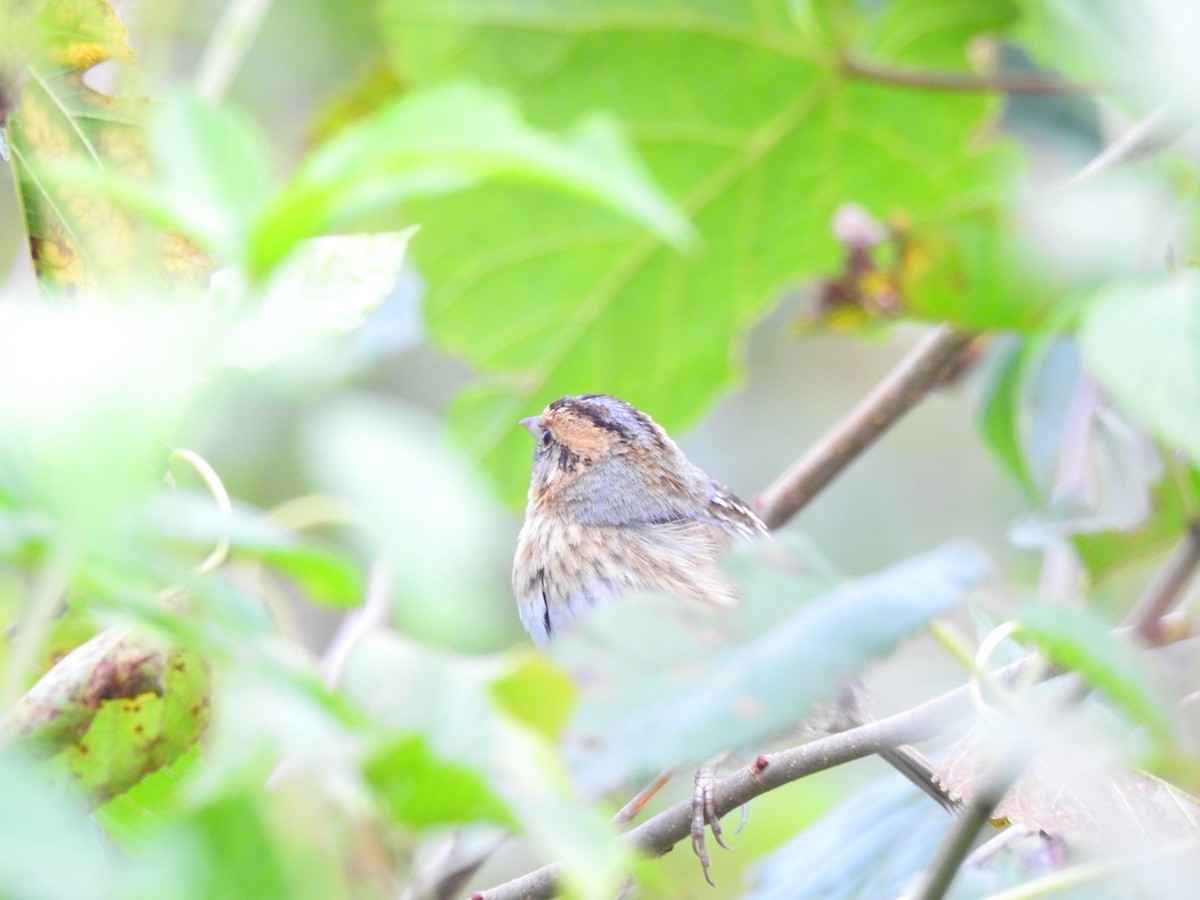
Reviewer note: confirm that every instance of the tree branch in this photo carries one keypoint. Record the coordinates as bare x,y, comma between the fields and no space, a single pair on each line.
1025,83
662,832
903,388
659,834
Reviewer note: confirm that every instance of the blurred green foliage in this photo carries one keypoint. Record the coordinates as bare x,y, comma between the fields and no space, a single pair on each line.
304,684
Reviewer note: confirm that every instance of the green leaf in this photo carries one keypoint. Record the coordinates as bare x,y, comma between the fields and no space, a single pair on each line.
549,297
663,684
62,705
212,174
231,844
445,702
999,408
133,817
536,693
1080,640
421,790
1108,553
1141,340
444,139
327,577
214,170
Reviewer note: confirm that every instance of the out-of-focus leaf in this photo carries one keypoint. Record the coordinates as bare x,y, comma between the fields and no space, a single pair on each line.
662,684
1142,343
1020,860
134,816
74,240
421,790
87,395
371,87
1143,47
428,509
277,720
60,708
130,737
1107,552
1105,227
214,169
114,709
51,851
327,286
1105,469
231,845
76,151
760,169
872,845
446,702
327,577
76,625
1075,786
536,693
999,410
1080,640
445,139
207,176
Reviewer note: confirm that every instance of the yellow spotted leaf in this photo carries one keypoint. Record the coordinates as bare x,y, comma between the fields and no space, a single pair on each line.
78,240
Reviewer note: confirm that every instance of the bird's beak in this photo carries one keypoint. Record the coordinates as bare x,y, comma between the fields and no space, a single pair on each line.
532,424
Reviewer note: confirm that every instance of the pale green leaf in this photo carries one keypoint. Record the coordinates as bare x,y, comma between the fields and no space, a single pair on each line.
392,464
444,139
327,286
51,852
440,703
662,684
1081,641
1141,340
421,790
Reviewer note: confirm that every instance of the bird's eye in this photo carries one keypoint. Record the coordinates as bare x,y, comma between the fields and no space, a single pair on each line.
547,438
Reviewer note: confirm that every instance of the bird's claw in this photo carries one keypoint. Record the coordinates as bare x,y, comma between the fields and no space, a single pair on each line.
704,815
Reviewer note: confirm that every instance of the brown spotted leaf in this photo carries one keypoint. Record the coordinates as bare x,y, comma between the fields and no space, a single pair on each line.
61,706
113,710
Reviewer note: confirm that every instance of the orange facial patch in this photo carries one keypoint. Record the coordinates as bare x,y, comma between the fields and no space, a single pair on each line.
578,433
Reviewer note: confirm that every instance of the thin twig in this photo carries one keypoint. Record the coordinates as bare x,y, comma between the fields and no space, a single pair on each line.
1165,586
361,622
1160,128
1082,874
1026,83
902,389
961,838
48,590
227,46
